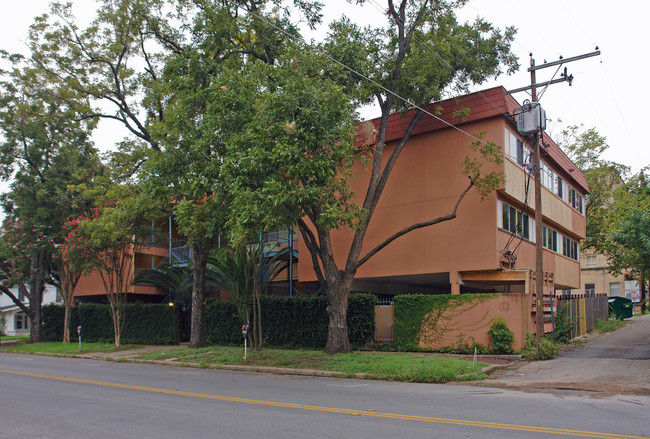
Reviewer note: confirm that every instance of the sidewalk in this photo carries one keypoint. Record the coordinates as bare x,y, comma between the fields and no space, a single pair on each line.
617,362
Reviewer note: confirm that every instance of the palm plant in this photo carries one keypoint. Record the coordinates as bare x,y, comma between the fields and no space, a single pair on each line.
178,280
241,271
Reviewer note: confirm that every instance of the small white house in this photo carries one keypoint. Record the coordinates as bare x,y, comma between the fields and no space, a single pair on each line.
13,320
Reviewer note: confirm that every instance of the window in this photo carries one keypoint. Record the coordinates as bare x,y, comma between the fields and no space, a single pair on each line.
549,238
548,177
21,322
515,148
590,290
520,152
570,248
559,187
515,221
510,144
575,200
591,260
614,289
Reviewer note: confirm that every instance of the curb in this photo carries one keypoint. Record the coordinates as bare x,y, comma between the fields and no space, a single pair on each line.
115,357
240,368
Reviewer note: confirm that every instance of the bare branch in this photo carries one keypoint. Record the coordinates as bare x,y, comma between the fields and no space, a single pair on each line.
416,226
373,198
310,241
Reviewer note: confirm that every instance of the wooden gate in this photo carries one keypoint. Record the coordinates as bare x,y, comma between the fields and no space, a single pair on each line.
384,320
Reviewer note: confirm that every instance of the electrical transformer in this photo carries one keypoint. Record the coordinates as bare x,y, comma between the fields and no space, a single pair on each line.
532,118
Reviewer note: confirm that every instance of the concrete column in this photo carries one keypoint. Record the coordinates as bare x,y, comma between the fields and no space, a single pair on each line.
454,279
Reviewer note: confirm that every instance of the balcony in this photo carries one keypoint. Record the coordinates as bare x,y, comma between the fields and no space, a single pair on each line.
180,256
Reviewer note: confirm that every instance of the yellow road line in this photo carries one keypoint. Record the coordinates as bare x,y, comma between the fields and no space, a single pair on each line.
527,428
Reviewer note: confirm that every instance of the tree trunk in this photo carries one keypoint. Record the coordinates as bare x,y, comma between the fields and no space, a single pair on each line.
117,325
338,293
66,322
36,286
199,262
259,322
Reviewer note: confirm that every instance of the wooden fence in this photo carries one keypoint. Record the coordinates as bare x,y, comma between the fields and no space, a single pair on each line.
583,311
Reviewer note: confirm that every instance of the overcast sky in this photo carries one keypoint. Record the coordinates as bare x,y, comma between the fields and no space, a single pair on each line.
608,91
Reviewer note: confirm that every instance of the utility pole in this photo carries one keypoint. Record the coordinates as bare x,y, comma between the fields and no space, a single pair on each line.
539,247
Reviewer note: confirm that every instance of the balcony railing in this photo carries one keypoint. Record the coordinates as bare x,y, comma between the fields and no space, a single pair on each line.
180,255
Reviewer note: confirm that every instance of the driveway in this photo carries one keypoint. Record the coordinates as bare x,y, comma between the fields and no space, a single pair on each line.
616,362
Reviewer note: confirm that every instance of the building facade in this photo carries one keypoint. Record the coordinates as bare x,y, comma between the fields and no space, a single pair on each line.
13,320
596,279
491,239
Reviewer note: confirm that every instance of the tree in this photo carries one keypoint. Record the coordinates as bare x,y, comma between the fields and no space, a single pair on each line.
421,55
618,207
71,261
169,52
225,39
177,280
238,271
112,235
43,150
627,225
585,149
25,246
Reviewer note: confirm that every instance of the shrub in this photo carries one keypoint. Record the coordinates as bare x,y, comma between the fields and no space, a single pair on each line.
546,350
500,336
291,321
286,321
143,323
52,317
562,324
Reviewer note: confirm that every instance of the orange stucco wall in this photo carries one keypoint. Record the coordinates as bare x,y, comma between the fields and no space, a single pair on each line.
471,322
92,285
425,183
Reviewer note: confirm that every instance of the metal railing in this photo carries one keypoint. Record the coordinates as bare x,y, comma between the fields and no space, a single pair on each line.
180,255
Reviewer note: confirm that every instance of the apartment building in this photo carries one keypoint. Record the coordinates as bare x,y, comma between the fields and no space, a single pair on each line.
490,246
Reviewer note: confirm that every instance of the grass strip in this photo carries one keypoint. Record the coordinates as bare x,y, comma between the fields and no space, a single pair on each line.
58,348
380,366
609,325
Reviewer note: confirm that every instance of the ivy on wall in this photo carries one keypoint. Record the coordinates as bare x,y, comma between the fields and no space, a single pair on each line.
425,318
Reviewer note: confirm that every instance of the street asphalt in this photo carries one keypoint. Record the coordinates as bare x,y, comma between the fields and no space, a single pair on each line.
610,363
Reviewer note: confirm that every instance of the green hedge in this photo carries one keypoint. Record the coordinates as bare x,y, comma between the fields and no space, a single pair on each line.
291,321
412,309
286,321
143,323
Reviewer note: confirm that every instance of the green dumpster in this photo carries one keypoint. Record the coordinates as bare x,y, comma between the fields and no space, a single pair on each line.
621,307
